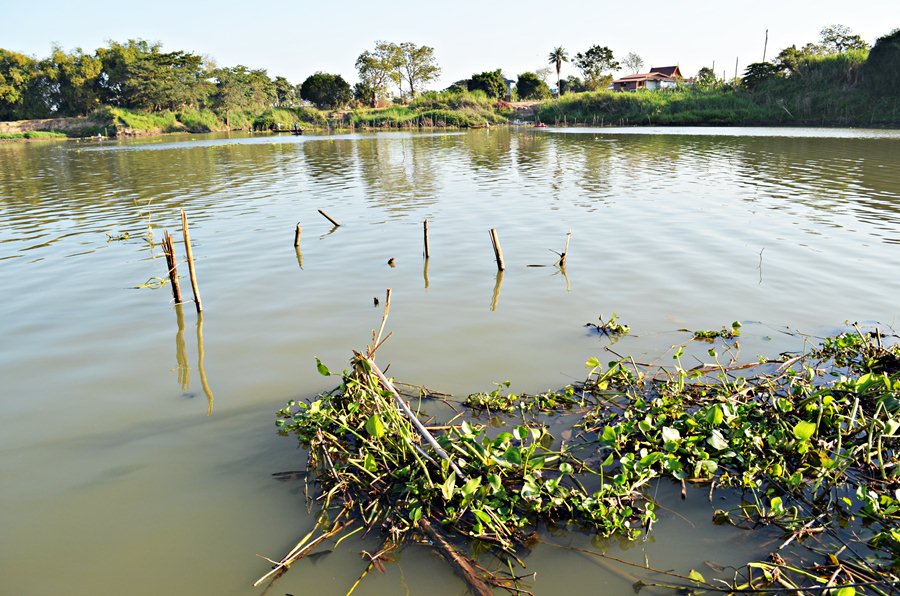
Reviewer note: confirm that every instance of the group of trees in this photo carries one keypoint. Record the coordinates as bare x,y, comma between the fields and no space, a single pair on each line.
137,75
596,65
406,65
833,40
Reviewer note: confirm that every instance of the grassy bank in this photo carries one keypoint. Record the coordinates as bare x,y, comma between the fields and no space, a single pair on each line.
34,135
441,109
675,107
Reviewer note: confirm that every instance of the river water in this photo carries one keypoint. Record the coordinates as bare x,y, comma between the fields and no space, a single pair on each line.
138,446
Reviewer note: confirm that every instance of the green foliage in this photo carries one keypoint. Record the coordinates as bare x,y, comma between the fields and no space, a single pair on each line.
199,120
880,72
326,91
837,39
593,63
611,328
240,89
557,56
759,72
492,83
677,107
529,86
34,134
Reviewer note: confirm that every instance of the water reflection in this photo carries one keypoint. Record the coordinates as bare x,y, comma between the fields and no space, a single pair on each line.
495,297
184,369
425,272
201,355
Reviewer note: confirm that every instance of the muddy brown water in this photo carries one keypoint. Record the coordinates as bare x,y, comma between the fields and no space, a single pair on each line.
122,473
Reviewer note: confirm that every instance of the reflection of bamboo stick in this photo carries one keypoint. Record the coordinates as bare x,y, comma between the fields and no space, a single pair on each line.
184,369
329,218
425,273
427,249
297,233
190,260
498,252
169,251
200,356
299,256
496,296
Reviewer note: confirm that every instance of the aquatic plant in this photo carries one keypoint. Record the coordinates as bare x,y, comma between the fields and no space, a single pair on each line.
811,440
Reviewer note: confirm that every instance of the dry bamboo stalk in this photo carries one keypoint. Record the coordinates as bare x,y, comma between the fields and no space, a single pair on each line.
498,252
169,251
412,418
462,564
427,249
565,252
297,233
376,340
329,218
299,553
190,260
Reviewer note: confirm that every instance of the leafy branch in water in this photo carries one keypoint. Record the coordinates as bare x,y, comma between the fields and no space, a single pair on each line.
725,333
611,328
810,438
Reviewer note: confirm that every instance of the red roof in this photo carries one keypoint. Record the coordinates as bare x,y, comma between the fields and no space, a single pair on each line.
669,71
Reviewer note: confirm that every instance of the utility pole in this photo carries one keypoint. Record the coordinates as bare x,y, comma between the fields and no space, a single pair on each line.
765,45
735,67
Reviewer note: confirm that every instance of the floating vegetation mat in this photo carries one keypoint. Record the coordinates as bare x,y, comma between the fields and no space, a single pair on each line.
809,440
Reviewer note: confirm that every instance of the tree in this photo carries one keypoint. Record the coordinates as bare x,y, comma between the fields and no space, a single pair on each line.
759,72
326,91
593,63
418,66
556,57
572,84
529,86
285,95
239,89
837,39
18,74
65,84
706,78
138,75
633,62
376,70
881,68
493,83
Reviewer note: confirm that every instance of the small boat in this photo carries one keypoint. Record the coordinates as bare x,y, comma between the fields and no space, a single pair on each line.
480,125
540,125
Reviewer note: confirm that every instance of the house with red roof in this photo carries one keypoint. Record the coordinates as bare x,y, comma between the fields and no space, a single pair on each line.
660,77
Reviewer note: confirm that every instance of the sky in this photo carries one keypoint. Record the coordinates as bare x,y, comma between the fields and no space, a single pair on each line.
296,39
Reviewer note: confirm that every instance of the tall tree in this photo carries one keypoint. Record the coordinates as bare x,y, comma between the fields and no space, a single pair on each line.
18,74
837,39
529,86
556,57
376,70
633,62
285,96
593,63
327,91
418,66
492,82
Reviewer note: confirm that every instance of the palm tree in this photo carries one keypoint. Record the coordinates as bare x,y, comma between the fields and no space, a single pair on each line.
557,57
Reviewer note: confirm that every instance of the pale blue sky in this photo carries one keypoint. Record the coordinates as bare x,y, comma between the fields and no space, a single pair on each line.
295,39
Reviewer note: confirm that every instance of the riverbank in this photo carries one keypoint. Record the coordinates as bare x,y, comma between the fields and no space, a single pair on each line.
678,107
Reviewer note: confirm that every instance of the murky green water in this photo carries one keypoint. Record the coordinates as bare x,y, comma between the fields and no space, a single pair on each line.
114,478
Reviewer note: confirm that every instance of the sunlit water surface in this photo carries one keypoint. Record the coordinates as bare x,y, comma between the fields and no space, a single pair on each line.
138,444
